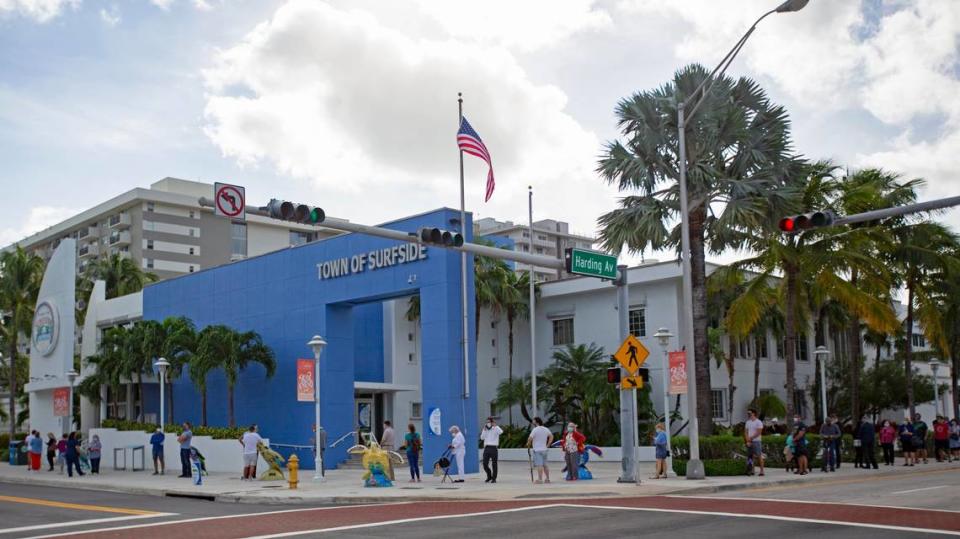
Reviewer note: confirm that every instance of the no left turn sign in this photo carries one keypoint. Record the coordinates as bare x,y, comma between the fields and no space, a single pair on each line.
229,201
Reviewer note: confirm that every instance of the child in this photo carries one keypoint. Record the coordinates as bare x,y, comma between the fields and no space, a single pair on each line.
660,442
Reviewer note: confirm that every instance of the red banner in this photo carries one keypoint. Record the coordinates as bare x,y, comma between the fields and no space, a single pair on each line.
61,402
678,373
305,380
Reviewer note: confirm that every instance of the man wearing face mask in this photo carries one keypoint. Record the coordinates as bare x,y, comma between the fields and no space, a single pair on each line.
490,435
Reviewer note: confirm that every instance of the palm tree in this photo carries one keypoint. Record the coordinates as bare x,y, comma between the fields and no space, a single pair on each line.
20,277
516,303
213,346
121,275
739,158
179,347
490,285
245,348
513,392
583,366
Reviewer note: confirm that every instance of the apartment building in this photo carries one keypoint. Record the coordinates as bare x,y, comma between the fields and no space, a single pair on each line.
550,238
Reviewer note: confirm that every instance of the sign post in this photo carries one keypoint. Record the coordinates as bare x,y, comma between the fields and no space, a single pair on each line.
230,201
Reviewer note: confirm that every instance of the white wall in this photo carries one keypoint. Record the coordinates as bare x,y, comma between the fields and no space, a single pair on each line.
220,455
397,366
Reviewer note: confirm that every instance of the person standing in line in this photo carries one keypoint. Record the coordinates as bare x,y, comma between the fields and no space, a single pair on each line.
51,450
838,442
490,435
62,452
868,443
459,447
388,438
539,441
801,451
36,450
906,441
156,446
941,439
73,455
660,443
753,430
572,446
413,445
954,439
919,439
185,439
94,451
249,440
888,435
829,432
789,454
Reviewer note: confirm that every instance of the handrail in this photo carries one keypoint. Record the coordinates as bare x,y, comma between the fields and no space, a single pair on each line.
342,438
294,446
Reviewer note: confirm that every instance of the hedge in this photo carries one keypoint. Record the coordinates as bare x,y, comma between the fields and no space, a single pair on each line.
713,467
217,433
726,448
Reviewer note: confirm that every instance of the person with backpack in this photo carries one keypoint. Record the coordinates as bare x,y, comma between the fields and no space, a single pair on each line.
413,444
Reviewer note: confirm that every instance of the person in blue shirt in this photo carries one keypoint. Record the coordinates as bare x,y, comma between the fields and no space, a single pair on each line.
906,433
73,455
156,441
660,442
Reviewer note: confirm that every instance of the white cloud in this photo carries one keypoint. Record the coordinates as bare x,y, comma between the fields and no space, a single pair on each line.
202,5
39,218
112,17
162,4
38,10
368,113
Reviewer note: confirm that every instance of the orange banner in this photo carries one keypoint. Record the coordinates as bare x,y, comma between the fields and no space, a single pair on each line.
61,402
678,373
305,380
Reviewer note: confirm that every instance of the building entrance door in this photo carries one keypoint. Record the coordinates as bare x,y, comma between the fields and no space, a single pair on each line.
363,418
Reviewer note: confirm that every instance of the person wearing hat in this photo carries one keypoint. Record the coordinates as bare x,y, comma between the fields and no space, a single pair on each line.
490,435
572,446
459,448
156,441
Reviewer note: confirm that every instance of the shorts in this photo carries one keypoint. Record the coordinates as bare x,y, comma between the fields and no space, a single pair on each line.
906,445
661,452
540,457
249,459
158,454
754,449
941,445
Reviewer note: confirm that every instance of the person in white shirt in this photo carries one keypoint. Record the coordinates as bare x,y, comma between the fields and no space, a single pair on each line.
752,430
459,447
388,437
490,435
249,441
539,440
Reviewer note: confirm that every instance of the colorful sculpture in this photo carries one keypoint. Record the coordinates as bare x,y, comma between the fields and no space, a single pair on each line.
377,463
274,461
583,473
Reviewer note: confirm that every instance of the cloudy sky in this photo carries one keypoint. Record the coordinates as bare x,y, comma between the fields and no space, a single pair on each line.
352,105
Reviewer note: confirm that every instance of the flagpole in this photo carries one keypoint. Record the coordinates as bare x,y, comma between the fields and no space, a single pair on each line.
463,271
533,311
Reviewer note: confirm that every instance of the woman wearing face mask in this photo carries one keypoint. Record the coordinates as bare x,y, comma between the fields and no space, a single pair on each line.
888,435
573,442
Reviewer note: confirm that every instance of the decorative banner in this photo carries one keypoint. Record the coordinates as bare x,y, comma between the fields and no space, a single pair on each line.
61,402
678,373
435,421
305,381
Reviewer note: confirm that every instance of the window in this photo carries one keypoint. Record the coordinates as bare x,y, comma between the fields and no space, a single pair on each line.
416,410
410,337
150,244
411,358
493,361
192,214
191,269
918,340
493,324
238,239
493,410
638,323
193,231
762,346
802,348
192,250
781,349
764,392
149,206
149,263
493,343
716,403
562,331
526,234
541,237
298,238
743,348
149,225
539,250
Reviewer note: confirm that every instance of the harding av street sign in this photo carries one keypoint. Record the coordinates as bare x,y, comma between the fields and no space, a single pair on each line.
590,263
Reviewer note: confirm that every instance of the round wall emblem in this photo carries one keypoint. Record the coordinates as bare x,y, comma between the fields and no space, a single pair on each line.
46,328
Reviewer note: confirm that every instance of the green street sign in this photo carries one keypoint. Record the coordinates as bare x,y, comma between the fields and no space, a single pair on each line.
590,263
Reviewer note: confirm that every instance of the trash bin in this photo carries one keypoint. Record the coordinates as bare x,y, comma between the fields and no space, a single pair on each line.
18,454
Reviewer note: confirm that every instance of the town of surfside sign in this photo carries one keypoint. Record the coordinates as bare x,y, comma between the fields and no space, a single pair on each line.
376,259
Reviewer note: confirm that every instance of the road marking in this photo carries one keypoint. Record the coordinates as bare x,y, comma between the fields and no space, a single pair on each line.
781,500
769,517
203,519
918,489
77,506
86,522
405,521
830,482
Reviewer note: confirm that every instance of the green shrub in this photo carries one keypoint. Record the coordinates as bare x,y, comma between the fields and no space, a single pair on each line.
726,447
217,433
714,467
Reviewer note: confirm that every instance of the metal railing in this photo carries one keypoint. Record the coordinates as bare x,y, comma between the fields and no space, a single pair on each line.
342,438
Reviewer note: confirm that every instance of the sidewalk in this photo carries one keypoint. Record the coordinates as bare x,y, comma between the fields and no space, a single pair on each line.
345,486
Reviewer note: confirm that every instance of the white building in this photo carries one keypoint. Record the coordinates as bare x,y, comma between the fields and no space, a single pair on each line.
551,237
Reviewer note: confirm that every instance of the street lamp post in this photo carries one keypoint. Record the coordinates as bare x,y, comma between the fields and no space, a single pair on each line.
72,377
663,336
162,365
695,465
821,354
934,367
316,344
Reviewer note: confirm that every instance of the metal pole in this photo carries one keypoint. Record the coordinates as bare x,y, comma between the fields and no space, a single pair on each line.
163,418
823,388
936,395
70,409
463,273
533,310
628,424
885,213
666,410
318,460
694,466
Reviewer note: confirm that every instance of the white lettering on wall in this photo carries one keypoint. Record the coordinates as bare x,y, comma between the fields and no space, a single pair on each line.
380,258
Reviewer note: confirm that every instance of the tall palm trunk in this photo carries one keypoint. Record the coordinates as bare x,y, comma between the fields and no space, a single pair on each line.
953,382
230,418
756,377
855,352
701,345
13,383
908,349
140,395
790,323
203,406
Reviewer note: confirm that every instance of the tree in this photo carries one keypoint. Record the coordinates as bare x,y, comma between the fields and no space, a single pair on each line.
490,284
516,303
587,397
121,274
20,276
179,348
213,345
513,392
738,155
246,348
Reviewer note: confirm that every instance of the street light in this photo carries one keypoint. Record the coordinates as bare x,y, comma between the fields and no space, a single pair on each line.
72,377
316,344
695,466
821,354
663,336
162,365
935,366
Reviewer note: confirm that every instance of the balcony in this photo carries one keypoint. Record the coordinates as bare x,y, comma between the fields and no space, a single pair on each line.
89,250
120,221
118,239
86,232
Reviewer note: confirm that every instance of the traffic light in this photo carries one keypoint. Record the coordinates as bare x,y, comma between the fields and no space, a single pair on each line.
806,221
300,213
437,236
613,375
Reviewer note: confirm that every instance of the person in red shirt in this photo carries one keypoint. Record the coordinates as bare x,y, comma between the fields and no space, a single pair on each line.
941,439
572,445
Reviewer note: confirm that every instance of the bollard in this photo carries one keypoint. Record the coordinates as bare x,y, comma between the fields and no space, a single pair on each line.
293,465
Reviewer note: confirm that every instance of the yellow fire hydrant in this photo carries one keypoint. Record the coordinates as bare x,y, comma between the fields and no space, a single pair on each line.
293,465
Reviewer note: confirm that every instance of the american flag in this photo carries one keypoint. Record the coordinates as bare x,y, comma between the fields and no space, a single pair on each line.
469,142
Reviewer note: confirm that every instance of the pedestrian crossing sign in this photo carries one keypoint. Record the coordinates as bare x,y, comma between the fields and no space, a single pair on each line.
631,354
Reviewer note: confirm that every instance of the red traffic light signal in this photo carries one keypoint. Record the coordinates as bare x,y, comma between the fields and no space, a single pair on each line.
806,221
788,224
613,375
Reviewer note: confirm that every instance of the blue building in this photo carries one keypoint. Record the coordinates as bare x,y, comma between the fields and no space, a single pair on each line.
346,289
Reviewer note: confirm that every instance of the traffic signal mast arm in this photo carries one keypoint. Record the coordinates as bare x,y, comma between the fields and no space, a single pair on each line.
820,219
414,237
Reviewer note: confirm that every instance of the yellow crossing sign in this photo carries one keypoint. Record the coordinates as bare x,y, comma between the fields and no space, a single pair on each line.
631,382
631,354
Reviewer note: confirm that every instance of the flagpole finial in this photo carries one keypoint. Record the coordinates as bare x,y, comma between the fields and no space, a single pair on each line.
460,97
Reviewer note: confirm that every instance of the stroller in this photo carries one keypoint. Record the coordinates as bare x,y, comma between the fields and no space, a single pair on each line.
443,463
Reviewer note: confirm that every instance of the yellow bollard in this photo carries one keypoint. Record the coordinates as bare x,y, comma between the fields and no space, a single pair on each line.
293,465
